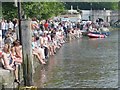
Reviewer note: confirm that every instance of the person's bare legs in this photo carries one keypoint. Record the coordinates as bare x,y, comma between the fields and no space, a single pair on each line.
51,50
54,48
40,59
41,53
16,74
6,64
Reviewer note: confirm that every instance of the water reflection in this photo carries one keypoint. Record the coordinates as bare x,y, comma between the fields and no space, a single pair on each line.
82,63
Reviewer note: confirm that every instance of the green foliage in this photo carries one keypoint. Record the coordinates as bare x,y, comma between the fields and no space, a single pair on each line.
0,10
9,11
41,10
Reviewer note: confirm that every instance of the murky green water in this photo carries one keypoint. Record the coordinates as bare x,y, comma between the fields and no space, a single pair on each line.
83,63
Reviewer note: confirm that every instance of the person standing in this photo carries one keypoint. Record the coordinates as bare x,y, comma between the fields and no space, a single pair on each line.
11,25
6,26
3,28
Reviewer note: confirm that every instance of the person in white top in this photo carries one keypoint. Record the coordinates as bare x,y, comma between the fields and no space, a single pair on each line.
3,24
3,28
6,25
36,51
11,25
7,58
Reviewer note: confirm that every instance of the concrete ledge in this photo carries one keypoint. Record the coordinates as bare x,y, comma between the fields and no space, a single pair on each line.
6,79
7,76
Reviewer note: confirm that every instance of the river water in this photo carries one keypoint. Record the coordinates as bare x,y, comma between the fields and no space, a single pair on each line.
82,63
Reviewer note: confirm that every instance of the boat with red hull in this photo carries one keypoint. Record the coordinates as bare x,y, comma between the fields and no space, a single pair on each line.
91,35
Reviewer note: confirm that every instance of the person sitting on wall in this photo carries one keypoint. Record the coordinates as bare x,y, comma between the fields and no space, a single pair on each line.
16,52
6,57
36,51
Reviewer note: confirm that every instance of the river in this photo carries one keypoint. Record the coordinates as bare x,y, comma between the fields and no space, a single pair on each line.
82,63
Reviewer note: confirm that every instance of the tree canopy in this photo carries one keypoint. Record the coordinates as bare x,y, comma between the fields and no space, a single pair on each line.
41,10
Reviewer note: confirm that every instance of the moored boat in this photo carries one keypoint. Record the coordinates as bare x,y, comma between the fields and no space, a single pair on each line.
91,35
103,33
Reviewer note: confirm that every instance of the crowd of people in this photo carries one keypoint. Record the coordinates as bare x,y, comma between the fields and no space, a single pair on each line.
48,36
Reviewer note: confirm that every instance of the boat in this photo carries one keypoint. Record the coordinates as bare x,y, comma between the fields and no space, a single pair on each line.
103,33
91,35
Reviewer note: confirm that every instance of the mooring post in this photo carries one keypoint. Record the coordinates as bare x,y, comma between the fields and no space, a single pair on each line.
27,52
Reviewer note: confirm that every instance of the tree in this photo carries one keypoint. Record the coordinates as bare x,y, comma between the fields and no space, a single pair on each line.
9,10
44,10
41,10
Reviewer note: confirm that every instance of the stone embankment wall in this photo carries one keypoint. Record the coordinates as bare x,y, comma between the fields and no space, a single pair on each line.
7,77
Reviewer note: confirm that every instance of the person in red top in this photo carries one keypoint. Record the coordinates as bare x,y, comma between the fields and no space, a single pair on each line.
46,25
